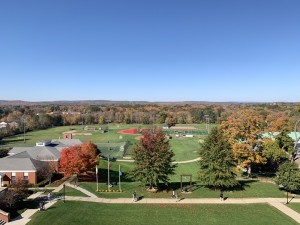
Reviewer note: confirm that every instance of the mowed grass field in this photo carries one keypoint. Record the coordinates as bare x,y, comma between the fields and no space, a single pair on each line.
250,188
183,147
73,213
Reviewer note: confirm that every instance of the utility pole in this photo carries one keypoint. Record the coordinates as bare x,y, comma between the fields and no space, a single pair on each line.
64,193
108,180
207,120
120,173
24,128
97,177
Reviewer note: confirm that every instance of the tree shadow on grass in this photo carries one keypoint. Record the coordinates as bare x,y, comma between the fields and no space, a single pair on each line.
242,184
13,141
102,176
176,186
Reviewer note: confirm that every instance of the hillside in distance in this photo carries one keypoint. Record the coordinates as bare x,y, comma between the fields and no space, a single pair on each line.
112,102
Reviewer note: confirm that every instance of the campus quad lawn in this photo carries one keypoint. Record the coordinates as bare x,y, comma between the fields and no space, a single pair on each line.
248,189
253,189
130,214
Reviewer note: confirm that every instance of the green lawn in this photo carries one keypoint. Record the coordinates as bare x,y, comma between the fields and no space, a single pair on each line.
72,213
248,188
71,192
184,148
294,206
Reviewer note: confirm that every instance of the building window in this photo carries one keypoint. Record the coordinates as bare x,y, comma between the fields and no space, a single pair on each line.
13,176
25,176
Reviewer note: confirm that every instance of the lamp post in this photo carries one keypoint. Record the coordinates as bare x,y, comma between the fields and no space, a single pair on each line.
207,120
108,175
287,189
24,130
108,178
64,193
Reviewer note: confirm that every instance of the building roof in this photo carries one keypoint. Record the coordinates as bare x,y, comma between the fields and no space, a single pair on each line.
18,163
293,135
37,153
45,153
65,142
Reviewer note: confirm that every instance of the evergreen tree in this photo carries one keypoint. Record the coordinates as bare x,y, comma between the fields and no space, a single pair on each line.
153,159
288,176
216,166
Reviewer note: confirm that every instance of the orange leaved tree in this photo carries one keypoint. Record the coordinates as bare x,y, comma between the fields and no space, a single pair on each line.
243,130
79,158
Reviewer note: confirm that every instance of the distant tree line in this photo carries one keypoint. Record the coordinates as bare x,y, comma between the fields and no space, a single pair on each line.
34,117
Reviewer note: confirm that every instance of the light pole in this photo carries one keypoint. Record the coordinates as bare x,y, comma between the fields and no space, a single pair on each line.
24,130
22,120
64,193
108,178
207,120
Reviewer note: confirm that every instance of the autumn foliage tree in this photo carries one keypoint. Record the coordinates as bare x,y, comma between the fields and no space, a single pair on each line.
79,158
243,129
153,159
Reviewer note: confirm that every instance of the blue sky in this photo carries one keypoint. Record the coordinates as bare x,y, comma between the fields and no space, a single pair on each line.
241,50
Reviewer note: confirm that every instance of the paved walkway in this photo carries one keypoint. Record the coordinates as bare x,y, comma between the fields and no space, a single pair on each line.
177,162
84,191
188,161
35,195
180,200
286,210
278,203
60,187
25,216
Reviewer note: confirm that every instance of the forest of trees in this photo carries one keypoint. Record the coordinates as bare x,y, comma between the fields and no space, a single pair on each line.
34,117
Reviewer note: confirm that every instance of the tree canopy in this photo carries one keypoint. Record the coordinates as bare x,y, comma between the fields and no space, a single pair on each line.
217,164
243,130
288,176
153,159
79,158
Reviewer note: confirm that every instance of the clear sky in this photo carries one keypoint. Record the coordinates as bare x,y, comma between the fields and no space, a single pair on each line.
156,50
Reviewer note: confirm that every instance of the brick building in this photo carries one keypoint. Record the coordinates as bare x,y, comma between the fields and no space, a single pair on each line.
25,162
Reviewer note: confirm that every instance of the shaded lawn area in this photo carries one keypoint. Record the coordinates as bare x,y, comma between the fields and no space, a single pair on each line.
248,189
188,168
71,192
96,213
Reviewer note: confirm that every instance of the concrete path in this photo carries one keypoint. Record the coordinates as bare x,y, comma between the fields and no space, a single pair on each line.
84,191
24,218
60,187
187,161
181,200
286,210
177,162
35,195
